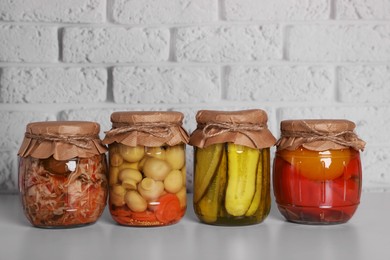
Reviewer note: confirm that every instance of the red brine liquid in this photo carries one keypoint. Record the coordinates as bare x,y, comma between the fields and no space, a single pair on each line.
317,187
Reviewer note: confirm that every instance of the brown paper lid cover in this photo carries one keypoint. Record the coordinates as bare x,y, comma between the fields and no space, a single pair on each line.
319,135
147,128
63,140
244,127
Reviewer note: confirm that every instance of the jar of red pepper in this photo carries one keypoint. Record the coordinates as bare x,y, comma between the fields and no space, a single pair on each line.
147,175
317,173
62,174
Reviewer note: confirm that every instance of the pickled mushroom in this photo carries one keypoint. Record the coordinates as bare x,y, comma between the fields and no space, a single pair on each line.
135,201
150,189
174,181
156,169
131,154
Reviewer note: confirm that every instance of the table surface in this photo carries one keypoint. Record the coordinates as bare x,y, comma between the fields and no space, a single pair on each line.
365,236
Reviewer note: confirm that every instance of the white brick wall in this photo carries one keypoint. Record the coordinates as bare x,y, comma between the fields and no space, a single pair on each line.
84,59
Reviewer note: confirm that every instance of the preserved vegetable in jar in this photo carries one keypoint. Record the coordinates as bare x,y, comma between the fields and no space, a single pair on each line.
62,174
232,167
317,173
147,175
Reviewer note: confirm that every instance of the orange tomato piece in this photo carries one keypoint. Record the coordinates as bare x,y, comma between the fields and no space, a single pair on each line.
320,166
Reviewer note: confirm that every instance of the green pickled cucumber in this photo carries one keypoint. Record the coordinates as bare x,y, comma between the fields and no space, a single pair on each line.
259,184
242,168
265,206
206,163
209,205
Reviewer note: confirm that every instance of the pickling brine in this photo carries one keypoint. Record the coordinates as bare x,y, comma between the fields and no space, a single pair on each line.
62,174
147,175
317,187
231,184
63,193
147,184
232,167
317,173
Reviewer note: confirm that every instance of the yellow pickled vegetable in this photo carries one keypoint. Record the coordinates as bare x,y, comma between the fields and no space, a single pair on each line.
257,197
242,168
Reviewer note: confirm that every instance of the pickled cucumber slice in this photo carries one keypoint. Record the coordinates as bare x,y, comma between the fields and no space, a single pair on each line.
209,205
242,167
206,162
259,184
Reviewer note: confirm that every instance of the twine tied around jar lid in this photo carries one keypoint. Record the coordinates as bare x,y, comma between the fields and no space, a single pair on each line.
63,140
82,141
319,135
245,127
146,128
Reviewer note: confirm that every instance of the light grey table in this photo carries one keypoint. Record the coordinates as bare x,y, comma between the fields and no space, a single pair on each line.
365,237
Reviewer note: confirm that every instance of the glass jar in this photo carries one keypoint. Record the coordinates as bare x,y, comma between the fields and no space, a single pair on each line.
147,175
232,167
62,174
317,173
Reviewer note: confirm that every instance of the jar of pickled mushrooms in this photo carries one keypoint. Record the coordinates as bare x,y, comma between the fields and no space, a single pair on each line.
147,173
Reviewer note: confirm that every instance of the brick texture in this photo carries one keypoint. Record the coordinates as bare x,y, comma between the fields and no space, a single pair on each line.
53,11
364,83
163,11
13,131
339,43
227,44
153,85
280,83
114,44
53,85
362,9
254,10
26,43
84,59
8,172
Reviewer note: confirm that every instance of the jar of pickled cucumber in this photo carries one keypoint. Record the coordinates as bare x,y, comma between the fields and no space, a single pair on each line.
147,175
232,167
62,174
317,174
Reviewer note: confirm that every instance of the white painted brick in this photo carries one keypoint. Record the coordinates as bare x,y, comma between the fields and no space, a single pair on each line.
376,168
364,84
280,83
8,172
113,44
13,126
255,10
164,11
339,43
362,9
226,44
153,85
26,43
53,85
372,122
72,11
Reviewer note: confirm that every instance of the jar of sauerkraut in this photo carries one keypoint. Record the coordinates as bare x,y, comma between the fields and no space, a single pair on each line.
317,175
62,174
147,175
232,167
